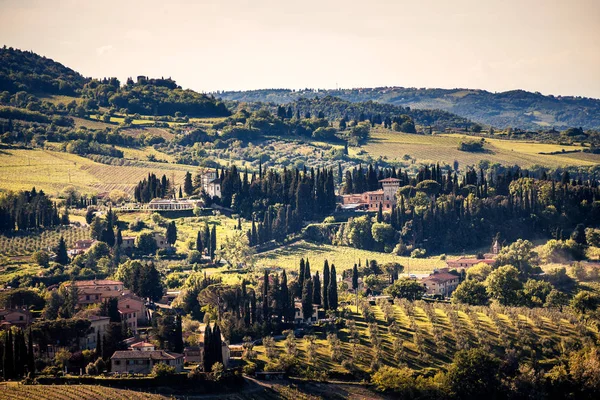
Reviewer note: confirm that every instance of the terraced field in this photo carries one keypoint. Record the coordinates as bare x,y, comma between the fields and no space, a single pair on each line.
444,149
52,171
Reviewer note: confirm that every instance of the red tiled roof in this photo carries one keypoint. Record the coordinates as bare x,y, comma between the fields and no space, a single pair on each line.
394,180
153,355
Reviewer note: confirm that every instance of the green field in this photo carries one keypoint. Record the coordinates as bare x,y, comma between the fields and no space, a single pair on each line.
444,149
52,171
343,258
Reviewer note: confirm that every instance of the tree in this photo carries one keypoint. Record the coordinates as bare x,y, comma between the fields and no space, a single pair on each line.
316,298
332,291
188,187
326,277
473,375
61,253
171,233
8,362
307,292
471,292
535,293
519,254
406,288
479,272
213,242
585,301
503,285
286,304
41,258
146,243
265,297
199,244
557,299
579,236
236,251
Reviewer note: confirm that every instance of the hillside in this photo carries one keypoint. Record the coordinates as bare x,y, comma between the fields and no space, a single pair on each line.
516,108
30,72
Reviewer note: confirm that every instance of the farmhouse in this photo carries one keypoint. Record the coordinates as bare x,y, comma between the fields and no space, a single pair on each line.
128,242
464,262
441,282
99,326
142,362
96,291
81,246
14,317
370,201
298,315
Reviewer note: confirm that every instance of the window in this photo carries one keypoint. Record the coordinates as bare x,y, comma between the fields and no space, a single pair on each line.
87,296
117,362
20,318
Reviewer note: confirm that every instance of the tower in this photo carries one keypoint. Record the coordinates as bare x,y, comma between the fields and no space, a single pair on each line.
390,187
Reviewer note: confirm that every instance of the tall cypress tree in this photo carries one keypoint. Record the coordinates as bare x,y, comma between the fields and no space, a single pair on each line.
208,356
265,298
178,345
333,295
207,240
325,296
307,290
8,362
307,274
217,345
213,242
61,253
188,188
30,354
285,299
199,245
301,278
98,344
317,289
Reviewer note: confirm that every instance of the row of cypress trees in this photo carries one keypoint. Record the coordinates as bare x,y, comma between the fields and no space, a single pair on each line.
17,356
312,291
212,347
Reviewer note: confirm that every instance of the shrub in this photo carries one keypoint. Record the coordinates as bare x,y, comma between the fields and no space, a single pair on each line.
162,369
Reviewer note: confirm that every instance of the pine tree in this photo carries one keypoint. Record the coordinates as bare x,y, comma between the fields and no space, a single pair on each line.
317,289
326,276
61,253
333,295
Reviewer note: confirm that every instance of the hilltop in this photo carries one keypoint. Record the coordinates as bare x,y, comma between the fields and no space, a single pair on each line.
516,108
30,72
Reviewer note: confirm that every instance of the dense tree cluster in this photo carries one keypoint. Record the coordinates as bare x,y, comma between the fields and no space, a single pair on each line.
151,188
30,209
16,355
438,211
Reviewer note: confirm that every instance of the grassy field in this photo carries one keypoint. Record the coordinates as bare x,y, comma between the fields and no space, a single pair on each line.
444,149
423,335
52,171
343,258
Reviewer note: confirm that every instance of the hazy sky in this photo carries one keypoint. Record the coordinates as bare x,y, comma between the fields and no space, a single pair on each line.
551,46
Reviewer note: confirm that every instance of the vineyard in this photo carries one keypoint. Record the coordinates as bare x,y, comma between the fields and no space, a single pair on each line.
444,149
24,244
423,335
75,392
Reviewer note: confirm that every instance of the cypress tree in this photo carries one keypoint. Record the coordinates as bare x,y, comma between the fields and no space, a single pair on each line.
301,278
217,345
213,242
8,362
307,274
30,354
285,298
207,241
171,233
265,297
61,253
307,290
355,277
188,188
207,358
325,296
333,295
199,245
317,289
178,345
98,344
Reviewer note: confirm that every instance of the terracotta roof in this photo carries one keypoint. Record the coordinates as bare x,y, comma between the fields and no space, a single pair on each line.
394,180
99,282
142,344
380,191
153,355
440,277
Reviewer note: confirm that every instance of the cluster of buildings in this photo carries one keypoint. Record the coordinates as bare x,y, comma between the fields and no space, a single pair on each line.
83,245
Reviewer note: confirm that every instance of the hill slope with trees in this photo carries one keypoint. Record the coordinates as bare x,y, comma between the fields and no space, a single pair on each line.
515,108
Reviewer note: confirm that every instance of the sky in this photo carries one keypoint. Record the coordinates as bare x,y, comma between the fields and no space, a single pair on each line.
550,46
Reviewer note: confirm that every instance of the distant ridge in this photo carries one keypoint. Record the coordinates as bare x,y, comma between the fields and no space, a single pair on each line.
515,108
